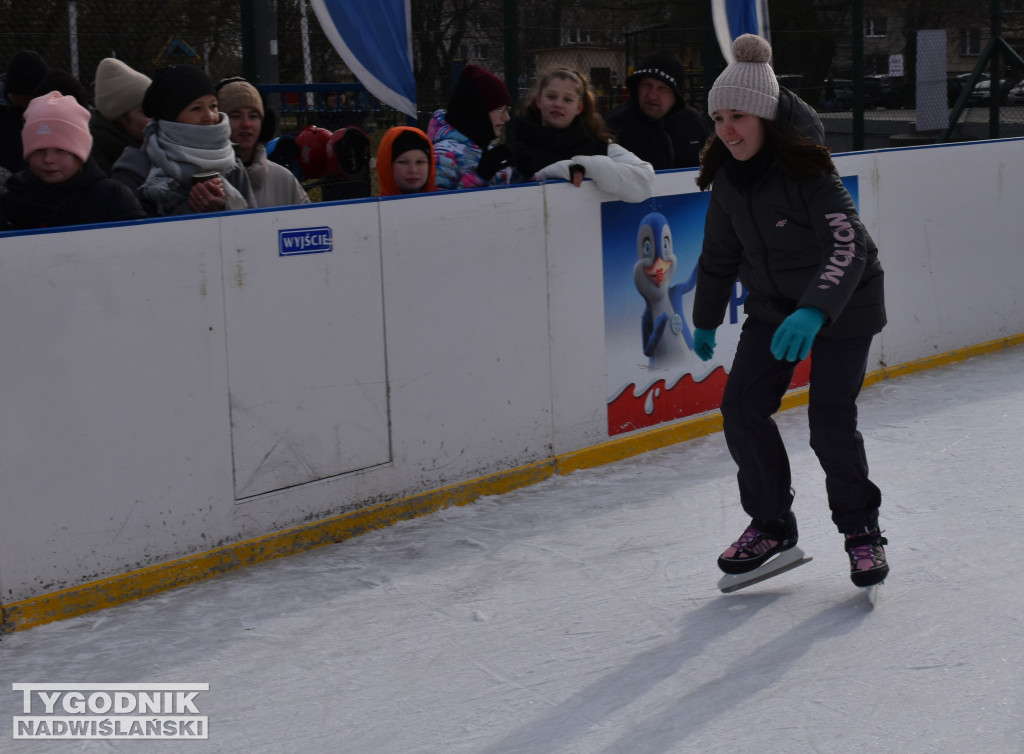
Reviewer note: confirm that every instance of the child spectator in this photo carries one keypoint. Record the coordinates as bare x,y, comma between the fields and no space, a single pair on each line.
561,135
61,185
273,185
461,133
186,163
405,162
119,121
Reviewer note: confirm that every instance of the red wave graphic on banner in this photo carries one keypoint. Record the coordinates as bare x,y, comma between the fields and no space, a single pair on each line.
628,412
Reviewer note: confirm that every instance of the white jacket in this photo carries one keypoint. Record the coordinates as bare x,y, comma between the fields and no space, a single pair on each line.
273,184
621,173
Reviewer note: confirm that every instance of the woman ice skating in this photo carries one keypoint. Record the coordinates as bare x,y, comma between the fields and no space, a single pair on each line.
781,221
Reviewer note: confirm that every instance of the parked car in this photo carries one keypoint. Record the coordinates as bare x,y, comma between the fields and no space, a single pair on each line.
1016,94
883,91
837,94
956,84
981,94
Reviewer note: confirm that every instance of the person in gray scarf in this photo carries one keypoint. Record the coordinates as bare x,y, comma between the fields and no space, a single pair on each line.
186,163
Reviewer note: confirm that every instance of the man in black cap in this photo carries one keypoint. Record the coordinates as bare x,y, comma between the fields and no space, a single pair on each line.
654,123
24,71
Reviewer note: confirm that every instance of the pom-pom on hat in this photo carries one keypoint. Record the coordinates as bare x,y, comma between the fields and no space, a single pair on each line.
119,88
54,120
174,88
749,84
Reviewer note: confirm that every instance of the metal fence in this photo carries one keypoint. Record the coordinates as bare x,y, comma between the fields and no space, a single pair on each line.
74,35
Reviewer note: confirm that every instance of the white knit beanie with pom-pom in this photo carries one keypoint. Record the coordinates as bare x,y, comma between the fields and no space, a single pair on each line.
749,84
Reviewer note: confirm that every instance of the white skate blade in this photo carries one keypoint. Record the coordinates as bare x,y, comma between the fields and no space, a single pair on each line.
872,593
786,560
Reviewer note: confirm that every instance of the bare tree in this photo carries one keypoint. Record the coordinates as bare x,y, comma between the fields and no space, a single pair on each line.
440,30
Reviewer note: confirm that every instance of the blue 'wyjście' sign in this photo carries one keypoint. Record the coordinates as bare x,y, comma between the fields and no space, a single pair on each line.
294,241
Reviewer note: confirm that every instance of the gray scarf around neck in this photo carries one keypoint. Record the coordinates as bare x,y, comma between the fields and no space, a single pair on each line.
179,150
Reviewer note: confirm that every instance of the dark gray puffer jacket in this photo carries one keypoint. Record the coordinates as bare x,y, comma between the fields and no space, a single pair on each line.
792,244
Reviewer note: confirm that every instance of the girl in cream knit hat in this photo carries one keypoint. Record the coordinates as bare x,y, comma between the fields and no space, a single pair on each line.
119,121
781,222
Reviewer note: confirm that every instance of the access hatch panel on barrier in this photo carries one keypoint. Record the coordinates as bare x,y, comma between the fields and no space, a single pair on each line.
306,364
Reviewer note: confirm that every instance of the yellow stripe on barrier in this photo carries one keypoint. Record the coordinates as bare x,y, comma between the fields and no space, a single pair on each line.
115,590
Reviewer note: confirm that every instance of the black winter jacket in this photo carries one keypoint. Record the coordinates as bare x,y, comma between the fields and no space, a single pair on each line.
11,122
108,142
674,141
89,197
791,244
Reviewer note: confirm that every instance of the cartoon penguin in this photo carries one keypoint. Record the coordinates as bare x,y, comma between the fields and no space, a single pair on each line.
666,336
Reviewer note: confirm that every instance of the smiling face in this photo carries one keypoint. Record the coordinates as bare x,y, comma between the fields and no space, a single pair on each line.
559,102
245,130
658,271
499,117
741,132
200,112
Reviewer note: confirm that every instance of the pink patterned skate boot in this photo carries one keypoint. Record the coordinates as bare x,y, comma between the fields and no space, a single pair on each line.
758,543
867,556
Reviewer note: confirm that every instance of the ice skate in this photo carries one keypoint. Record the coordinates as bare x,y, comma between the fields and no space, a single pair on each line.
759,542
867,557
781,562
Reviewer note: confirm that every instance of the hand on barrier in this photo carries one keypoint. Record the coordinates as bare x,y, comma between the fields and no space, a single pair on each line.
493,160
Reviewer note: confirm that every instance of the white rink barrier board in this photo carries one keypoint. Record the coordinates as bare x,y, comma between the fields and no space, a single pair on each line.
172,387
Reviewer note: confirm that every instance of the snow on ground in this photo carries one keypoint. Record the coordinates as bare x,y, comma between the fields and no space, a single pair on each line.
581,615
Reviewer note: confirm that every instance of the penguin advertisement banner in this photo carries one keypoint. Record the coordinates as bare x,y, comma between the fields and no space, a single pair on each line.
650,253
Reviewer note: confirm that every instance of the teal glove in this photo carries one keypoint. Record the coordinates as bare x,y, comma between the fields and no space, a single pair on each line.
792,340
704,343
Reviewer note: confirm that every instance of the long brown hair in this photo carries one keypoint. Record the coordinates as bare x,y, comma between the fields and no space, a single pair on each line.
589,116
799,157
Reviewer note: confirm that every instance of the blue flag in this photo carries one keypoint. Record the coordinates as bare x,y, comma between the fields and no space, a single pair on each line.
375,41
733,18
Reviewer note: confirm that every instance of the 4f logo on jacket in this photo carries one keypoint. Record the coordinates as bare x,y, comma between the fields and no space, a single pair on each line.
843,254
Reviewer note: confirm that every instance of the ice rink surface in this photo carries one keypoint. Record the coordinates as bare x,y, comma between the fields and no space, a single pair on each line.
581,615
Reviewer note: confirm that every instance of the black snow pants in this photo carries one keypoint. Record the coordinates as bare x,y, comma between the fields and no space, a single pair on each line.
753,392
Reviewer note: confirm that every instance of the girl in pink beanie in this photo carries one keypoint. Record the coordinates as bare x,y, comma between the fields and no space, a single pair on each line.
62,185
